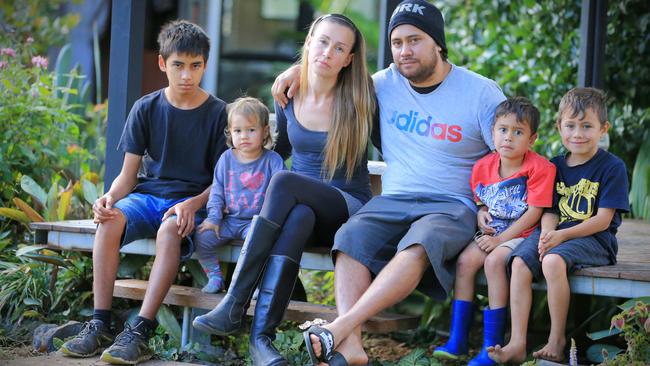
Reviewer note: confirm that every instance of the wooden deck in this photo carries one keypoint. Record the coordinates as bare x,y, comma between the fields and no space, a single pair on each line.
629,278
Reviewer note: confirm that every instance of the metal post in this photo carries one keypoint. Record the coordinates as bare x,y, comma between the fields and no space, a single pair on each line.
593,30
384,57
185,330
125,76
210,80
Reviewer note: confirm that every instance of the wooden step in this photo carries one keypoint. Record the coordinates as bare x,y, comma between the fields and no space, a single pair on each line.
298,311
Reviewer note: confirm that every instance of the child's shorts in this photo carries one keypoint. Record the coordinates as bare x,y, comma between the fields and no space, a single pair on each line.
231,228
144,212
577,253
511,244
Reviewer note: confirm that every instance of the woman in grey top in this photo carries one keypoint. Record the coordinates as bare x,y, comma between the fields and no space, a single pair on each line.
326,128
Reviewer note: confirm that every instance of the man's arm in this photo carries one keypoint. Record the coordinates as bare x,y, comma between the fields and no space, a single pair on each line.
290,79
122,185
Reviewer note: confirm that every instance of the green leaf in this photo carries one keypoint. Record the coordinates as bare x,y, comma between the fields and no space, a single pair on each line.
32,314
629,304
415,358
51,259
31,187
52,202
130,264
594,336
29,249
197,272
14,214
167,320
57,342
64,204
89,190
30,301
30,212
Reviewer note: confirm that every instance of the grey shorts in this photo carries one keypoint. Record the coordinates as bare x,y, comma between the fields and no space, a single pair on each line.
577,253
353,203
389,224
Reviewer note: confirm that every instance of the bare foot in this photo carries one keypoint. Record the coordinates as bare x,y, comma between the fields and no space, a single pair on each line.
515,353
552,351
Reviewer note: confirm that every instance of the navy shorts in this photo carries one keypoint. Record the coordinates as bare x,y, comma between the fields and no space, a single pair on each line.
144,212
389,224
577,253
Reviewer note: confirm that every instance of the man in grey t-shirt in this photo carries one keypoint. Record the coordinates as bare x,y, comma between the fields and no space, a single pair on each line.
435,121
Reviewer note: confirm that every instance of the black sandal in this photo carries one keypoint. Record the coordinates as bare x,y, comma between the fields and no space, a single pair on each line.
326,341
337,359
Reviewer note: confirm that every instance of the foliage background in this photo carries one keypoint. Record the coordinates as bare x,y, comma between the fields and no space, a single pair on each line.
531,49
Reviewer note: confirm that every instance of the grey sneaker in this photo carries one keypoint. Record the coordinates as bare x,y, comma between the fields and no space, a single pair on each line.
93,337
130,347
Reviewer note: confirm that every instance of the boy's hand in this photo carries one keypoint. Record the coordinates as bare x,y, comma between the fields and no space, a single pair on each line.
484,219
207,225
185,212
103,209
549,240
290,78
488,243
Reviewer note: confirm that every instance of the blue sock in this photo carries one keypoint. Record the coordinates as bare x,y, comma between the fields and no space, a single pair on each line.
104,316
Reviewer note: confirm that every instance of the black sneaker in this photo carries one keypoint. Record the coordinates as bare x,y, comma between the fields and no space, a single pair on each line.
130,347
93,337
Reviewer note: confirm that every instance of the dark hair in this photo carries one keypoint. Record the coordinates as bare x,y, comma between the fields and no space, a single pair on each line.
183,37
522,108
579,99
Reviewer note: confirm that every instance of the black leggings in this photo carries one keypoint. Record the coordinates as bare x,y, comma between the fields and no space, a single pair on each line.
306,209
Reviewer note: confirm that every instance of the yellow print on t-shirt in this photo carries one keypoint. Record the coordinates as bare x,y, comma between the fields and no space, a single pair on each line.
577,202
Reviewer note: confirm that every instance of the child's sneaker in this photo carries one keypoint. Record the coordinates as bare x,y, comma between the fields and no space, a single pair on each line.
130,348
93,337
214,285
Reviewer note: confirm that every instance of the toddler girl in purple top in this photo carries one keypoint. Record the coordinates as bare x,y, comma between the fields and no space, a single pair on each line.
240,180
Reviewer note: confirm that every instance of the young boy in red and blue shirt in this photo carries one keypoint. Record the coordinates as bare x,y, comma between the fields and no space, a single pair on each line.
511,186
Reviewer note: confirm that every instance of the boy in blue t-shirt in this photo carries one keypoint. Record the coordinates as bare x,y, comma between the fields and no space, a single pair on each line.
591,191
175,135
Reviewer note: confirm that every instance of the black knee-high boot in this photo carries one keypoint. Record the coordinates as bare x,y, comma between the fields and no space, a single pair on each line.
275,292
227,317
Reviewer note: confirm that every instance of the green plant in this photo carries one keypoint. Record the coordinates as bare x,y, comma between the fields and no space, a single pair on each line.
30,288
41,128
640,187
634,323
290,344
36,23
537,56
